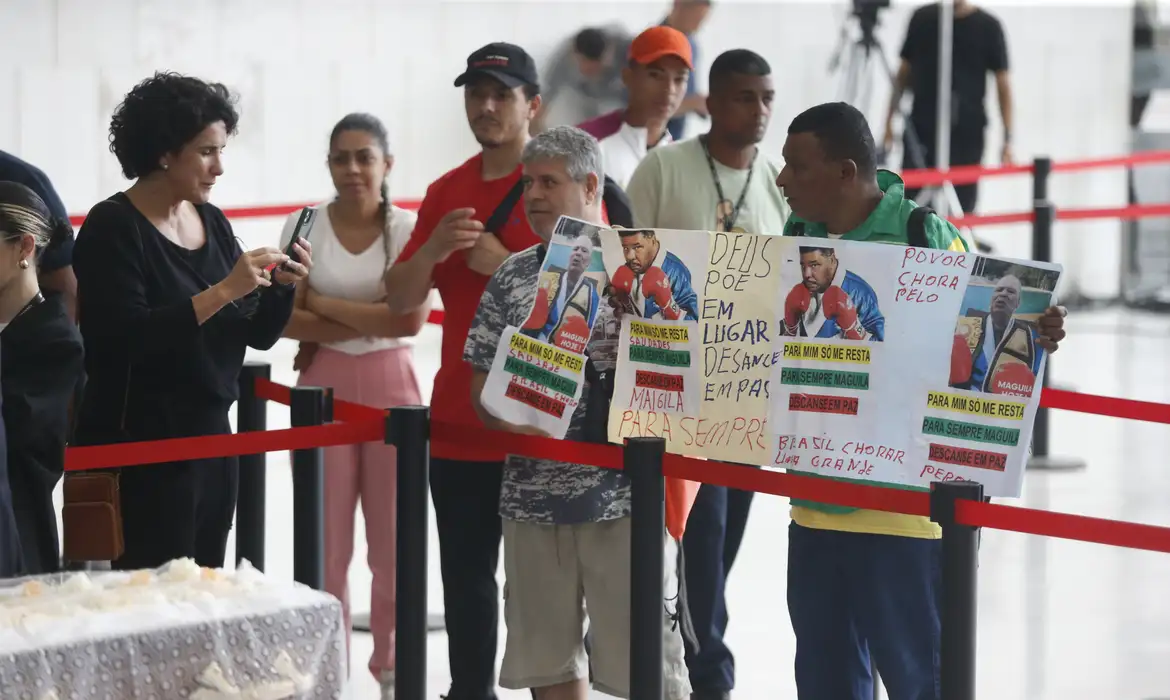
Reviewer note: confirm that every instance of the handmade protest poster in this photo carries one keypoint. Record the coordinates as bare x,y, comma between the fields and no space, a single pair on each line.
655,284
696,375
841,358
907,366
538,372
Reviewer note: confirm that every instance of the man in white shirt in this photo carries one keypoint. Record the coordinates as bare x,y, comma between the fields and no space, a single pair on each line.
718,181
659,66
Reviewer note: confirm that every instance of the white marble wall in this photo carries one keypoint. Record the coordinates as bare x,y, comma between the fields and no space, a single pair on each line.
301,64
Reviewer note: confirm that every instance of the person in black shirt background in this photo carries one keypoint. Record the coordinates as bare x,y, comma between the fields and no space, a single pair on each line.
979,48
41,369
168,302
55,264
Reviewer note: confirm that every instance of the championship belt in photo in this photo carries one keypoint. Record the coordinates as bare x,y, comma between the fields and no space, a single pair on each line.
1010,372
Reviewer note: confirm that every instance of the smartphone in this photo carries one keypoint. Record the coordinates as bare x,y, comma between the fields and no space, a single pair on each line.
301,232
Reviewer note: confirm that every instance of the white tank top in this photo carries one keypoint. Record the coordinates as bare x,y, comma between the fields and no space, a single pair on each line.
339,273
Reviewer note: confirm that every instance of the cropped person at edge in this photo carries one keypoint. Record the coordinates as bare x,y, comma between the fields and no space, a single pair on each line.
862,581
352,342
41,360
451,251
168,303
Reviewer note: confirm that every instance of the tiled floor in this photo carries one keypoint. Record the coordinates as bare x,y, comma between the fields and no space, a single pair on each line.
1058,620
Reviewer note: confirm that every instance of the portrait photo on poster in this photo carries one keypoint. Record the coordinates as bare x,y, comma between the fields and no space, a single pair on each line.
994,349
830,290
652,273
570,289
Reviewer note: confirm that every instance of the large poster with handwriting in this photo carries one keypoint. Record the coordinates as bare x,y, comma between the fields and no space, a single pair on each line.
538,372
847,359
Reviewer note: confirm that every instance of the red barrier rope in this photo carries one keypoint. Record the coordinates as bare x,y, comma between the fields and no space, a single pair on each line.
365,424
959,175
1105,406
967,174
1063,525
812,488
267,210
210,446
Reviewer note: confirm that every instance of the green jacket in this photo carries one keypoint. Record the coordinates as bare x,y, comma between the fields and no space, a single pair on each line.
887,224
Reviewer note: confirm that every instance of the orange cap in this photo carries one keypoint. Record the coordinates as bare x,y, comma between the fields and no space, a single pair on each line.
659,41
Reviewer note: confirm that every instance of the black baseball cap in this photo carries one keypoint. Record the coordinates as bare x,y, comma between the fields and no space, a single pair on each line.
507,63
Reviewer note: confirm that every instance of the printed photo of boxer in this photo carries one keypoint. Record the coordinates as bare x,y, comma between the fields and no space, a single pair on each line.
994,349
653,282
830,301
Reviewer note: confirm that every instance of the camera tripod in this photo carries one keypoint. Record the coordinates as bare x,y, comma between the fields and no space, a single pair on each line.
853,64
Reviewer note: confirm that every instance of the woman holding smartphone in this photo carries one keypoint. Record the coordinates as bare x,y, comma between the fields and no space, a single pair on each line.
350,341
168,304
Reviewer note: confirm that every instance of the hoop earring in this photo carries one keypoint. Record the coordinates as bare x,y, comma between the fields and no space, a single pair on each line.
23,264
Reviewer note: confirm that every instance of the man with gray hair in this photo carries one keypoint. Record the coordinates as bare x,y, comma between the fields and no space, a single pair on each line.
566,526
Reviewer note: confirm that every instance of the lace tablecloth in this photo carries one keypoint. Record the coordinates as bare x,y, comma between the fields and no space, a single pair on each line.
212,638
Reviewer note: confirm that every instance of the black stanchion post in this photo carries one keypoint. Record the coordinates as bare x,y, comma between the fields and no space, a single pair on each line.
251,416
1044,216
308,472
960,567
642,459
1041,169
408,429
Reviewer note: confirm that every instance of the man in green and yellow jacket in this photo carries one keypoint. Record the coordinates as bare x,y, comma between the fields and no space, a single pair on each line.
863,581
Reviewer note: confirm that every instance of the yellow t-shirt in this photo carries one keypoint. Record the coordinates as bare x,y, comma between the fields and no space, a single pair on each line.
874,522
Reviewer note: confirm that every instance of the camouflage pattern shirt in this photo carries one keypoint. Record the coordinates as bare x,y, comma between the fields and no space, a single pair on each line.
538,490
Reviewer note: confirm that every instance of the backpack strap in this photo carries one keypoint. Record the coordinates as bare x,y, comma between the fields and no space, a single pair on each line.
617,204
499,217
916,228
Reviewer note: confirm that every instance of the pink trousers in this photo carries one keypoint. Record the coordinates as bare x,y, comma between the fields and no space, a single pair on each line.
368,473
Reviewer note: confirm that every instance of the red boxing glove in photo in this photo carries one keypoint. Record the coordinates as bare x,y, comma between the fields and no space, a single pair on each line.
623,281
961,361
839,307
656,286
795,307
539,315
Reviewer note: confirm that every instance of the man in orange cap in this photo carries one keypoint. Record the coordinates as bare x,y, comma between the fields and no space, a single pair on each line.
660,65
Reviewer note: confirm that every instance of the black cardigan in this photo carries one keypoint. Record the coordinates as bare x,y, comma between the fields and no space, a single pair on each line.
153,371
41,362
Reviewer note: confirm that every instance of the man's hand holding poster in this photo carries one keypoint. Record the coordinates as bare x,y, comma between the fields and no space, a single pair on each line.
538,372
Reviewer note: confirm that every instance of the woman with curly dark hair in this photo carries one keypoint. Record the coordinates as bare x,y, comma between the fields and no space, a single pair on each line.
40,371
168,302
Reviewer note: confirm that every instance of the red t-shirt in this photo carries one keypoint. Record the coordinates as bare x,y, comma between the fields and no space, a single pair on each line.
461,288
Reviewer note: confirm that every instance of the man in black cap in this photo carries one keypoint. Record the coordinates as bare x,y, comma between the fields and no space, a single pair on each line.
470,221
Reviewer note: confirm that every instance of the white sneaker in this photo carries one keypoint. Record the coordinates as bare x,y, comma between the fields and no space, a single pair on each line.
387,685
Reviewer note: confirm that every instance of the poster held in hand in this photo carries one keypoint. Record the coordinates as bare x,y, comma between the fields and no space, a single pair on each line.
538,372
653,288
846,359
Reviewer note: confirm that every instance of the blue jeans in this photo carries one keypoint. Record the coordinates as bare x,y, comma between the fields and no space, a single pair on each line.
851,594
711,541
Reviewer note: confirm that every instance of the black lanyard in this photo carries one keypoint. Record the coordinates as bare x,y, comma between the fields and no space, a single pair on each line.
729,220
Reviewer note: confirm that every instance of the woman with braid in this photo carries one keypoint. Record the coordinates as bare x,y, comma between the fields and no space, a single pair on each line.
350,341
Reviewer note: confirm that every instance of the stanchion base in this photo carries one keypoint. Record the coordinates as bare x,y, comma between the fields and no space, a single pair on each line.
435,622
1056,464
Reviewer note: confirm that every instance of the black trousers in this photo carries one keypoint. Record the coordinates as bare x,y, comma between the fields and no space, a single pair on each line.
180,509
467,512
714,533
966,149
36,518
